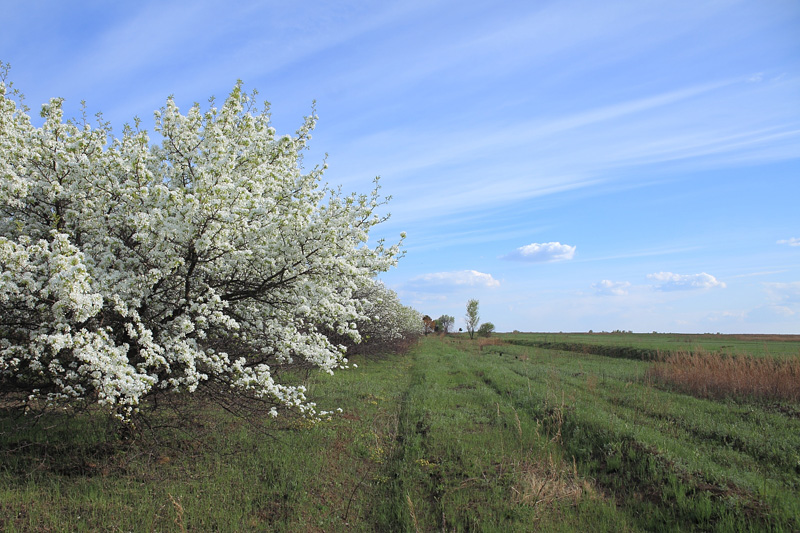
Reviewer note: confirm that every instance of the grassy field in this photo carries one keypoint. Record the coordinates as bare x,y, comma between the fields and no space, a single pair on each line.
456,435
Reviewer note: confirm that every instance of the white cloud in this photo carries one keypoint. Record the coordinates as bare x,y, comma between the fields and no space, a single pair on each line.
460,278
667,281
794,241
617,288
543,252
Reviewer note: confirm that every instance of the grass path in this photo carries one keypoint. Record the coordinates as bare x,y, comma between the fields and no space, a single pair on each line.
467,460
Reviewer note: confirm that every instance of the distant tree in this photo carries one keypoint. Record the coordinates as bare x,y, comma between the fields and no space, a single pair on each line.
445,323
486,329
472,317
429,324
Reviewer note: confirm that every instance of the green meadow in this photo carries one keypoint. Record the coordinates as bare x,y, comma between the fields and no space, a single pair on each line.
519,432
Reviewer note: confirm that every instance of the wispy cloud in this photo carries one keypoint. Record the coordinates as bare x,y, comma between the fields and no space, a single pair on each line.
460,278
608,287
668,281
755,274
784,293
794,241
783,299
643,253
692,126
725,316
546,252
474,142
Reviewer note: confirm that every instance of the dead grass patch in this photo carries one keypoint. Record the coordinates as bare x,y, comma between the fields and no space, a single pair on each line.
545,480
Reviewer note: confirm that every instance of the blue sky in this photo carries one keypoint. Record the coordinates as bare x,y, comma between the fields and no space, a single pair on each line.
572,165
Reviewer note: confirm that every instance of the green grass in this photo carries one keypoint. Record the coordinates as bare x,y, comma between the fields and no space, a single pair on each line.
450,437
672,458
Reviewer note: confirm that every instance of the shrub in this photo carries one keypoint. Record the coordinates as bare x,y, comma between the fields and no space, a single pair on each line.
486,329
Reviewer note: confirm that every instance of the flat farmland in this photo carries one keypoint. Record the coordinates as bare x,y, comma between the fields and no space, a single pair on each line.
497,434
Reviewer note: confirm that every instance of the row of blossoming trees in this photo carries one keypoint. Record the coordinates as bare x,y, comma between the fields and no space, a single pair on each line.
205,263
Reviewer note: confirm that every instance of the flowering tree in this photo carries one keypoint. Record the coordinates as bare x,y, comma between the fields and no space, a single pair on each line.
388,326
206,262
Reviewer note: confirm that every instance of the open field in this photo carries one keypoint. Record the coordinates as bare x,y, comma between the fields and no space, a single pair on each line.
457,435
755,345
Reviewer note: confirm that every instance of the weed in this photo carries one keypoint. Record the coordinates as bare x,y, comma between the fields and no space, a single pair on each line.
411,511
178,513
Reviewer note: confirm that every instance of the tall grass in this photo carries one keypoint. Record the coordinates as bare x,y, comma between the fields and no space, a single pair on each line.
714,375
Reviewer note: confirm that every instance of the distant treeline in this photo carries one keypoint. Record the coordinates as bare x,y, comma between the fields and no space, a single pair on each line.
623,352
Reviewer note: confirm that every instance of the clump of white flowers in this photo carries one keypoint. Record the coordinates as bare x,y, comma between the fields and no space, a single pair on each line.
387,325
207,261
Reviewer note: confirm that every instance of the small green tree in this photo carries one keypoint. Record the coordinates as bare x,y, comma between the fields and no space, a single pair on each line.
486,329
472,317
445,323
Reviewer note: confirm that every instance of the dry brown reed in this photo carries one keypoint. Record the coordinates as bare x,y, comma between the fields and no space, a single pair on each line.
413,514
714,375
490,341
